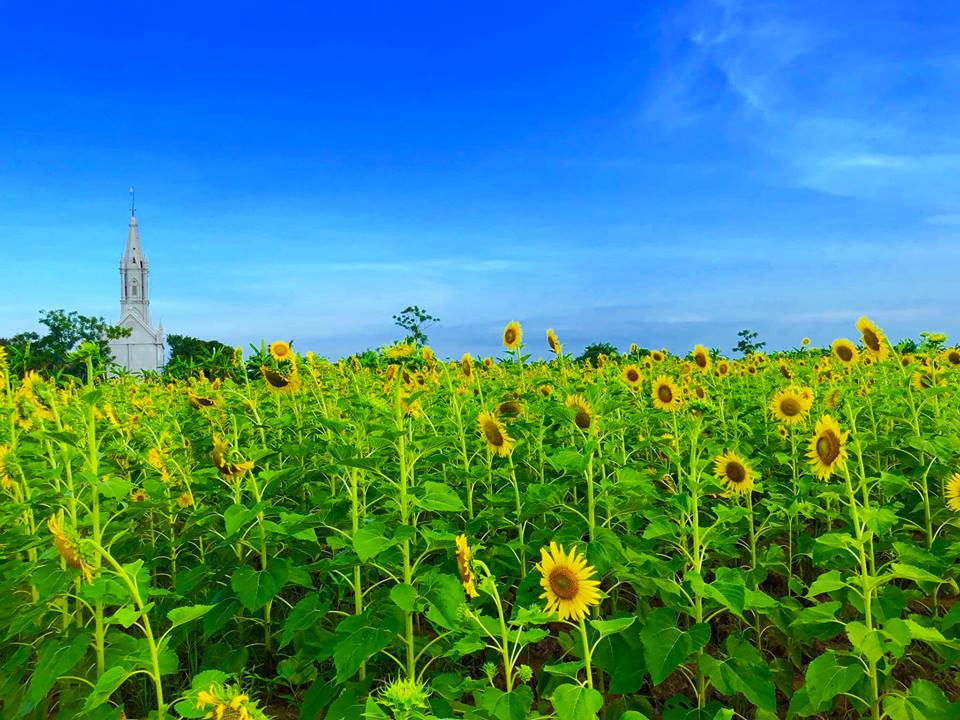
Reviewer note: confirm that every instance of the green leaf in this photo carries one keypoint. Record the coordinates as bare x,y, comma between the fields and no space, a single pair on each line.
826,583
369,541
611,627
183,615
633,715
744,671
237,517
923,701
55,658
125,616
926,634
576,702
309,611
439,497
115,487
826,678
404,596
112,679
358,647
513,705
255,588
910,572
665,646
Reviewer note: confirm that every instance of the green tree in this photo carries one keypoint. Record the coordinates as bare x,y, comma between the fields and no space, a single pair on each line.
415,320
748,343
190,355
55,352
593,351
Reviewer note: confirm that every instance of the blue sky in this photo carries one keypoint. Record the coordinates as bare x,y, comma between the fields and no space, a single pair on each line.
662,173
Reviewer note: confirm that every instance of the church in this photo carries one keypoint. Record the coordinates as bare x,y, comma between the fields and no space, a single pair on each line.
142,349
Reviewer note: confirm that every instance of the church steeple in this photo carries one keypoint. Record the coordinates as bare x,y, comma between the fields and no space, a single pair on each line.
143,348
134,272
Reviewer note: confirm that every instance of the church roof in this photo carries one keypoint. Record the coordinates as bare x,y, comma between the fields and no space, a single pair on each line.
133,255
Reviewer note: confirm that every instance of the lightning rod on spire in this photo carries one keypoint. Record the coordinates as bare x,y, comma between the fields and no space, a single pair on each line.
133,207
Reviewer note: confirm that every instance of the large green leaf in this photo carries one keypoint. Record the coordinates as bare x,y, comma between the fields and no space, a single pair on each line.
923,701
55,658
257,587
310,610
826,678
576,702
665,646
743,671
358,647
183,615
112,679
438,497
501,705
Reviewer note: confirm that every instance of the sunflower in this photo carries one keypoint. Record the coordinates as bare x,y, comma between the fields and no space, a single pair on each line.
924,378
752,369
634,348
700,393
566,582
733,471
632,377
805,342
280,351
666,394
658,356
509,408
585,414
788,406
512,335
827,450
428,355
138,495
229,470
553,342
463,565
498,441
953,492
67,543
952,357
546,390
785,370
185,500
466,366
844,351
873,339
782,432
279,382
701,357
723,368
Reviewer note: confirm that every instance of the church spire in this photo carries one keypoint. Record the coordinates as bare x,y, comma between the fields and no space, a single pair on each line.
133,256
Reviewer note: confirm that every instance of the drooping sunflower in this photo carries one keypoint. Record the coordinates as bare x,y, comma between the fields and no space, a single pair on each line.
701,358
546,390
67,543
280,351
279,382
229,470
466,366
493,431
584,417
509,409
952,492
733,471
844,351
788,406
827,451
874,341
632,376
666,394
512,335
952,356
567,582
463,565
553,342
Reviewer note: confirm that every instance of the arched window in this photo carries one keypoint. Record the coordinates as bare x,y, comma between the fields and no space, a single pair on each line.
133,288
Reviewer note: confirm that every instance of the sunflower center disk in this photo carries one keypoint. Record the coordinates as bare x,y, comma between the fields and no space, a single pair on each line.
664,394
828,447
564,584
735,472
790,407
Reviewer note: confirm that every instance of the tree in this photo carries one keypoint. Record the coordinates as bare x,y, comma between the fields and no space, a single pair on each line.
748,343
56,351
190,355
415,320
592,352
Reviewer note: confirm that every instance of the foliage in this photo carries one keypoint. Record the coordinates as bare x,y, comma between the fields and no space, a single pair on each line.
415,321
593,351
222,547
190,356
748,343
55,351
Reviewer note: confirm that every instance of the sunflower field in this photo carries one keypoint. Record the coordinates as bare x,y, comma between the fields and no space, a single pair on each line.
648,537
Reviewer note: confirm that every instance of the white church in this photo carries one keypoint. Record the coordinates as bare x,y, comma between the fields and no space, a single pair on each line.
142,349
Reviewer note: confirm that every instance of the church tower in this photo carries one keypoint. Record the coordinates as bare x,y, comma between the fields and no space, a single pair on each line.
143,348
